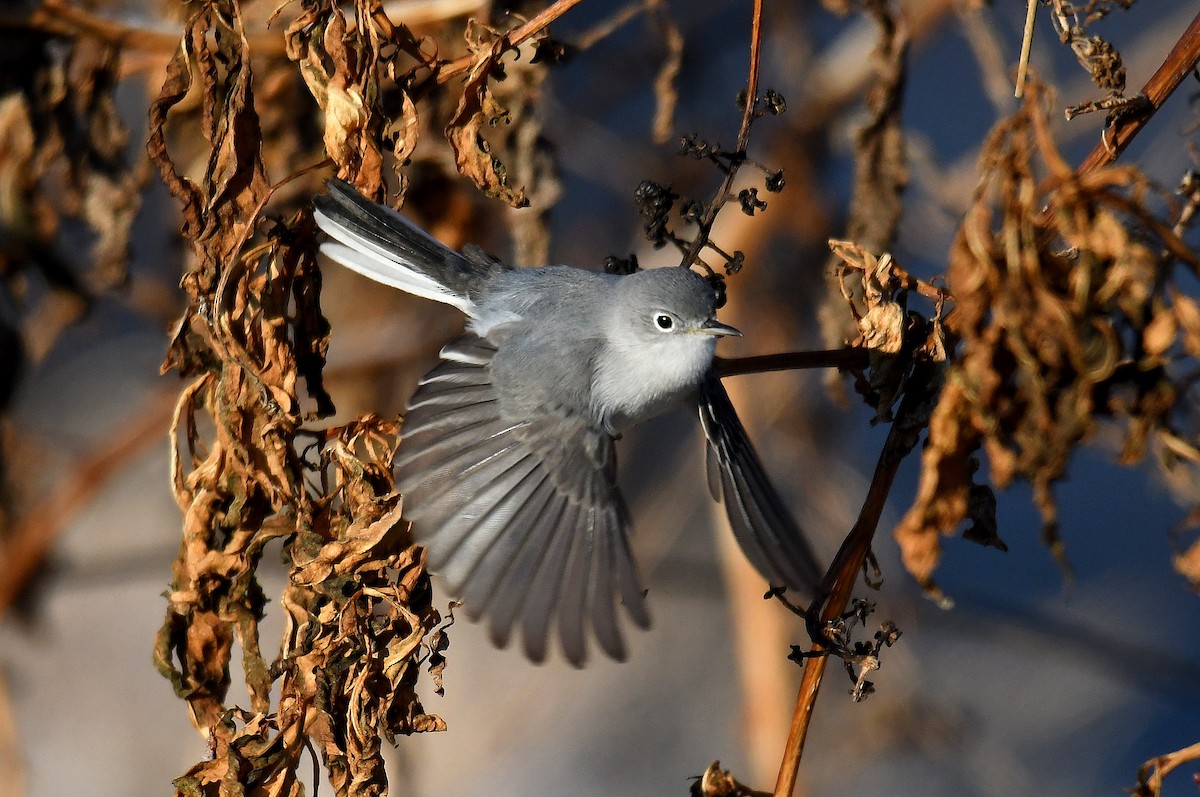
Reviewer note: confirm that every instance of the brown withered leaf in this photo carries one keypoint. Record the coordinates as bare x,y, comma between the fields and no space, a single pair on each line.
439,641
883,323
943,492
1160,333
717,782
340,68
357,611
981,510
64,167
880,161
1187,316
355,547
247,750
357,605
477,108
1065,308
1187,564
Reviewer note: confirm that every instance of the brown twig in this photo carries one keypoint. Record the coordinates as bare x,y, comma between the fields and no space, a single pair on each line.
536,25
838,586
704,224
842,359
752,80
1150,778
611,24
1180,62
69,21
1026,46
37,529
666,98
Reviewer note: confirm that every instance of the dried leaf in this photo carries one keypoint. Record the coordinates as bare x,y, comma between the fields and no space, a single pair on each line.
1160,334
342,71
1187,564
357,605
477,108
1053,291
1187,314
943,492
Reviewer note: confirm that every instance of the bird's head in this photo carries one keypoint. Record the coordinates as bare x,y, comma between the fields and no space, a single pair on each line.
671,304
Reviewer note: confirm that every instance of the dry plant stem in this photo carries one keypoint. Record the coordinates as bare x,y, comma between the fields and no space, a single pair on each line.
705,223
844,358
1153,772
1179,63
61,19
843,575
37,530
12,764
1026,45
68,21
533,26
607,27
751,81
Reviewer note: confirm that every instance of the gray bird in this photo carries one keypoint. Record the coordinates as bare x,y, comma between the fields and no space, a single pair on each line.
507,462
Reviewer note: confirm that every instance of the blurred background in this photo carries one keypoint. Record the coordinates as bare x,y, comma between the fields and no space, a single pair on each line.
1033,683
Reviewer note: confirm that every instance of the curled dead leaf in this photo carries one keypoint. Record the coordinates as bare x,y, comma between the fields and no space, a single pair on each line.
1187,564
1160,333
478,108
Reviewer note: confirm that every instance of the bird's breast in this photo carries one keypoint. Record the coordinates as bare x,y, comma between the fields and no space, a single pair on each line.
635,381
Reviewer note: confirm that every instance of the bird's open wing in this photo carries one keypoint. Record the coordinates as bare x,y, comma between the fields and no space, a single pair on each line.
520,516
762,524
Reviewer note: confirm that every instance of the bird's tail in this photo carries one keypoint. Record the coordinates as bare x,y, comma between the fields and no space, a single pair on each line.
383,245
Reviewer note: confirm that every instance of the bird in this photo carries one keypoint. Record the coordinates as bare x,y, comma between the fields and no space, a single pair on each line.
507,458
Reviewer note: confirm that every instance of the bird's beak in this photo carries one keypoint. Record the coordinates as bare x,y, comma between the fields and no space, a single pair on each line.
714,327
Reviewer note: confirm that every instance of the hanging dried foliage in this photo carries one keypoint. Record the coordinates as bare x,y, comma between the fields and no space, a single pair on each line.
1067,303
359,621
479,108
62,160
1069,310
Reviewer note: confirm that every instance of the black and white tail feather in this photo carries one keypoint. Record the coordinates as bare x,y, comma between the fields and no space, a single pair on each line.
383,245
522,517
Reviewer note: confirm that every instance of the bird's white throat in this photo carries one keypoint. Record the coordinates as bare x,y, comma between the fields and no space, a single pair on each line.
636,379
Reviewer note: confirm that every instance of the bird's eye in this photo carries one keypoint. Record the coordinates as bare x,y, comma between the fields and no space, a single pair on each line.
664,321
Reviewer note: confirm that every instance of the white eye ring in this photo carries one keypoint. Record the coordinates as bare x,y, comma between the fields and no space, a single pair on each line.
664,322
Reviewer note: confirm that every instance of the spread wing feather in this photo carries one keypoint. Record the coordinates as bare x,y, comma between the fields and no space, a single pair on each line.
522,517
761,522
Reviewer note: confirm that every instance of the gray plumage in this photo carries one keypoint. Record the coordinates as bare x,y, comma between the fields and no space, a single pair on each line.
507,463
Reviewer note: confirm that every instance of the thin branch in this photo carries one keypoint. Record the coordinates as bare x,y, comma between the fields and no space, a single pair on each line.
705,222
1179,63
611,25
842,359
1150,778
752,81
666,98
25,551
534,26
1026,46
72,22
911,417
